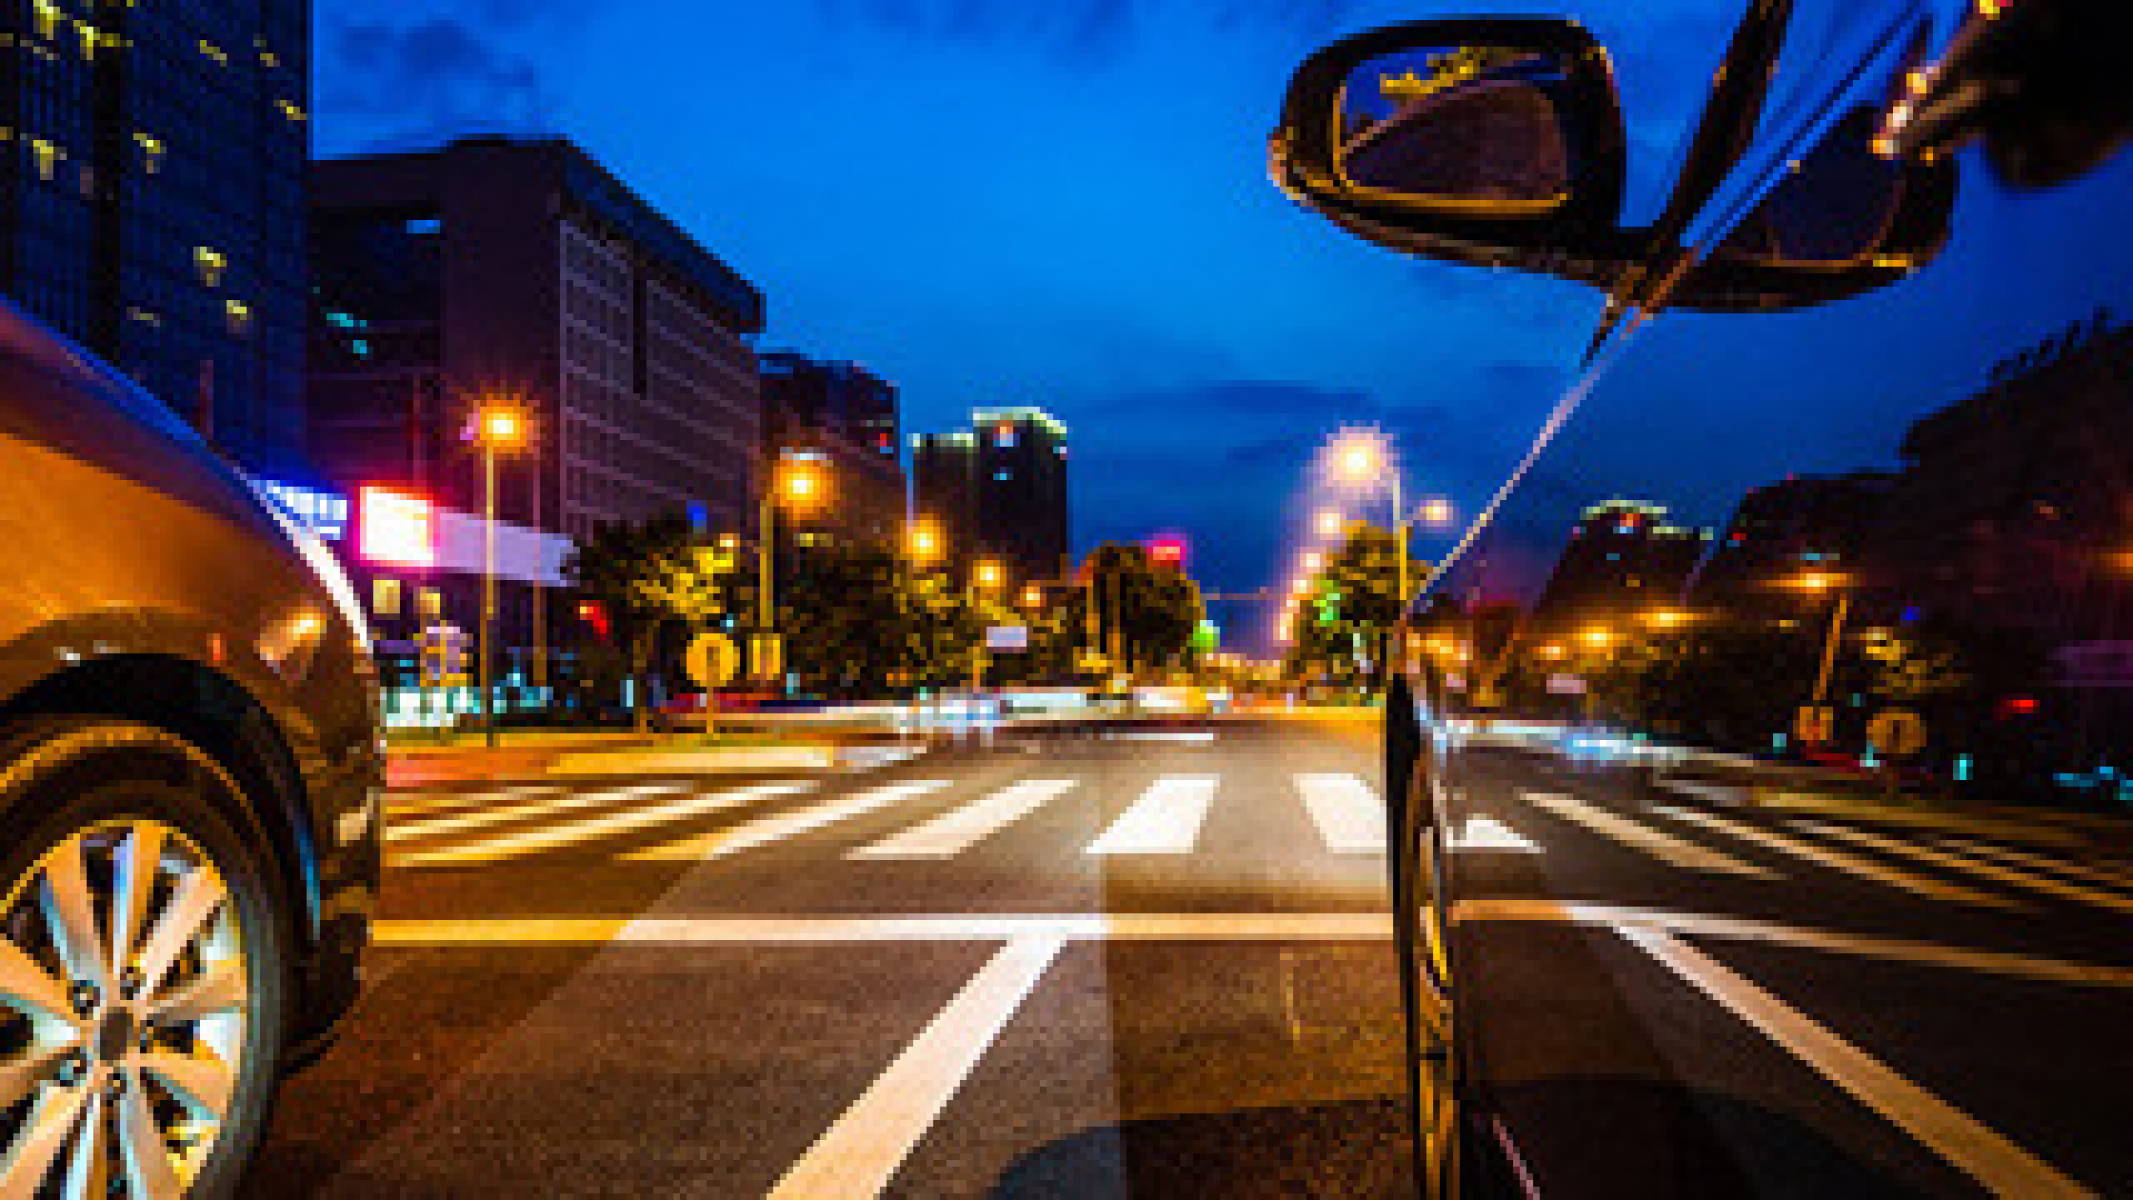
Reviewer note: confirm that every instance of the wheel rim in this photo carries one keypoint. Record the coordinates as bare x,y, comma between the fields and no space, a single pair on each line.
124,1009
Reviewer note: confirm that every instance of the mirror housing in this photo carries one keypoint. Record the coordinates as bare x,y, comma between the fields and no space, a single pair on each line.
1842,221
1570,232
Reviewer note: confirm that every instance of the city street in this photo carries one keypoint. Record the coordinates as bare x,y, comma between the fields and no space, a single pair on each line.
1152,959
1149,958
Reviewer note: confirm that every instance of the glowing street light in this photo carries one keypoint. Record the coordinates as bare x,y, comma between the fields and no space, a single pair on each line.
1330,523
1598,637
1313,563
922,541
801,484
1819,582
500,429
1437,513
1032,596
1552,651
987,574
1667,618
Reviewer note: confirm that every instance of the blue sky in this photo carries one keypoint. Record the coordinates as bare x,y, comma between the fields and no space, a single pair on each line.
1063,203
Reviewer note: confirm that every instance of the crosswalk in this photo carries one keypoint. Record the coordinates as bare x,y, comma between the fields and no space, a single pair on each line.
1167,817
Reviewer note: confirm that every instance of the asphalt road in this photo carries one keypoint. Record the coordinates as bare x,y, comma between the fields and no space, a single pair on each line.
1154,961
1138,961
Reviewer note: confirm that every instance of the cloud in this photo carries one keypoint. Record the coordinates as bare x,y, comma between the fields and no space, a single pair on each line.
400,86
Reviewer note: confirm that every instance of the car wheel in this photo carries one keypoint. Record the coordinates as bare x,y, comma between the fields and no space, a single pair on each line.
142,969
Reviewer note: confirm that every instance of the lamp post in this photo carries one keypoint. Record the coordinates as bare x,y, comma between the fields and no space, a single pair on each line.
498,427
1361,458
797,481
1818,583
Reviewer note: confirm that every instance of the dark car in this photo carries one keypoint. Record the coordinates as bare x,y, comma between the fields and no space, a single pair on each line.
190,769
1758,759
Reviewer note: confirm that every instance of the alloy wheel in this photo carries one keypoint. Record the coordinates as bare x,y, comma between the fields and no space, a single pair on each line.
127,1002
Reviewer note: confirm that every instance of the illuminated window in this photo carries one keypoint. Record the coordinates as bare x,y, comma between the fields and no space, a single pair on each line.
385,597
238,315
290,110
211,264
151,152
48,17
48,156
430,602
89,38
215,52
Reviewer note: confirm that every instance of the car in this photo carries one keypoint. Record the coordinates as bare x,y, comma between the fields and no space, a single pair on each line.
190,779
1662,946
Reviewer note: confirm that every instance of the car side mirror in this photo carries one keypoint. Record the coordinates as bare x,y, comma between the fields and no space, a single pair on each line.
1499,142
1494,141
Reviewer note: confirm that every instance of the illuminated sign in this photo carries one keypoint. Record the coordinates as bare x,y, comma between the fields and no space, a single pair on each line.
323,513
397,529
1168,551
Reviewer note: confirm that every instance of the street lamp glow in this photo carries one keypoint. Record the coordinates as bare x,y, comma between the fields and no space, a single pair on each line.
923,540
1314,562
1816,581
1552,651
1330,523
1437,513
1032,596
1597,637
1300,585
1667,618
500,427
987,574
1357,456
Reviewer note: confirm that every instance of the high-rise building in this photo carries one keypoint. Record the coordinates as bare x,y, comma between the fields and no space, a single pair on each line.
1624,557
152,201
522,273
1803,524
845,415
999,490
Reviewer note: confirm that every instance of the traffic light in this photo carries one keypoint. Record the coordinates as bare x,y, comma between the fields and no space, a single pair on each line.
590,612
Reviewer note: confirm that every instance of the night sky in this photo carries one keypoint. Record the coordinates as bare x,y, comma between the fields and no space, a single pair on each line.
1064,203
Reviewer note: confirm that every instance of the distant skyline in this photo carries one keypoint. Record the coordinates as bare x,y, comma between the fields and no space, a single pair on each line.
1065,205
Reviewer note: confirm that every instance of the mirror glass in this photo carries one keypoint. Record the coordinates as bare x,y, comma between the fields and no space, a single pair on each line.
1832,208
1464,125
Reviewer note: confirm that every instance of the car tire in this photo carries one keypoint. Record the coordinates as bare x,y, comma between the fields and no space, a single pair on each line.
180,1006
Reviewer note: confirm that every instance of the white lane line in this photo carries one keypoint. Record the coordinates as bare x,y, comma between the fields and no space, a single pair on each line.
1165,820
1850,864
613,824
859,1154
421,802
1488,833
2089,871
1664,847
776,828
722,931
1201,736
953,832
429,827
1992,871
1993,962
1715,793
2002,1167
1349,815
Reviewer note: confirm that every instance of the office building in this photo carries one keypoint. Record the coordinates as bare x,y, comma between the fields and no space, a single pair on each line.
1781,531
845,416
152,201
999,490
1624,558
521,273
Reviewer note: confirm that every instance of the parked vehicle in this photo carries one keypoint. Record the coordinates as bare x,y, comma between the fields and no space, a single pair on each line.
190,765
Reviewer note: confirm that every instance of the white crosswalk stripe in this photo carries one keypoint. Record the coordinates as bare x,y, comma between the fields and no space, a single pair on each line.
776,828
612,825
429,802
1165,820
2091,872
959,829
1975,866
1851,864
1665,847
1347,811
461,822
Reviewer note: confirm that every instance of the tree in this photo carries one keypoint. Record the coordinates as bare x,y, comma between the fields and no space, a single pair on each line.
1152,609
646,575
859,620
1352,606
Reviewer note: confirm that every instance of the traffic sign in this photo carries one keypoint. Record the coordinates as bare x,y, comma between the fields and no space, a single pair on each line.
1815,725
712,660
1897,732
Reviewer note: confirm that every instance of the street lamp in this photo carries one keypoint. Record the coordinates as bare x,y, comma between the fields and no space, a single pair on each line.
1313,563
500,428
1819,582
987,574
1032,596
922,541
1598,637
1330,523
800,484
1666,618
1362,457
